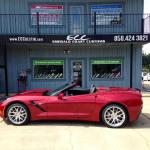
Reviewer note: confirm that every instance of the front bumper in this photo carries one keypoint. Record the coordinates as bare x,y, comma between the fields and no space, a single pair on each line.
2,109
2,100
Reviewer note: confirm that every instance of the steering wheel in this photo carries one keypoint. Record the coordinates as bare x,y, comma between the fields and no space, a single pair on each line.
92,89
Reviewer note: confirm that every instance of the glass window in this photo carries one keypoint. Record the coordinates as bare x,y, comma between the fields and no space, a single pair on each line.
48,14
48,69
107,14
106,69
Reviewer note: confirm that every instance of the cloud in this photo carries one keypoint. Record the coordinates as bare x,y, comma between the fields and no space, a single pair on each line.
146,48
146,6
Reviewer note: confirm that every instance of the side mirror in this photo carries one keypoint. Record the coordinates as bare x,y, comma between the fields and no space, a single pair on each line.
60,96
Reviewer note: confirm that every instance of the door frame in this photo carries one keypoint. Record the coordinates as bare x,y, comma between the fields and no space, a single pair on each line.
83,18
84,70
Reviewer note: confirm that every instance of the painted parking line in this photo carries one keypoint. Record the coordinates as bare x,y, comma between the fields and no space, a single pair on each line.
146,116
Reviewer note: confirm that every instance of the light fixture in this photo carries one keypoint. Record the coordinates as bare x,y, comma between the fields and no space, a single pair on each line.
67,51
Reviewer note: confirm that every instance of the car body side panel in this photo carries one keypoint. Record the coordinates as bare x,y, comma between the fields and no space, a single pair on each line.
80,107
130,100
71,107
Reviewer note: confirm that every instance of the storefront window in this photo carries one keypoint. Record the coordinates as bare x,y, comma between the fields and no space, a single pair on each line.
106,69
48,69
107,14
48,14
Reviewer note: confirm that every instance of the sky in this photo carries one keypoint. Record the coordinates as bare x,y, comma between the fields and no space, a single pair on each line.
146,48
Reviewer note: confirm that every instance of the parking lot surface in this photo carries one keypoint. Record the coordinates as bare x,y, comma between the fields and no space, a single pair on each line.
68,135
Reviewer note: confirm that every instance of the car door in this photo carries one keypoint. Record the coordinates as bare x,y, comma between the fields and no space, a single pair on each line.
70,107
84,105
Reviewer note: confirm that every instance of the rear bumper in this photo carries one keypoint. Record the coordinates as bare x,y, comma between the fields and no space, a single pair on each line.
140,112
134,113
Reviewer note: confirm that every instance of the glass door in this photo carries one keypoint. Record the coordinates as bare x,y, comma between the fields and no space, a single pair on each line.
77,71
76,19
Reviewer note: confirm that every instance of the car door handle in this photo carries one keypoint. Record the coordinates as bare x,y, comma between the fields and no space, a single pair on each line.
64,99
40,103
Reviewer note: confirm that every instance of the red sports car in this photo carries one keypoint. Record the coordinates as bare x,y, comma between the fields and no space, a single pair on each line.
113,106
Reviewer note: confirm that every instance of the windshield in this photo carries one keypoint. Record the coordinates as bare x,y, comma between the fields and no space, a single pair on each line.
61,89
57,91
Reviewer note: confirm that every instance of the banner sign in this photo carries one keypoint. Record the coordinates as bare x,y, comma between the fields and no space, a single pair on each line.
48,14
104,61
80,39
107,14
48,62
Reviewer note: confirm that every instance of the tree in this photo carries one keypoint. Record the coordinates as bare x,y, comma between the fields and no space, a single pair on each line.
146,62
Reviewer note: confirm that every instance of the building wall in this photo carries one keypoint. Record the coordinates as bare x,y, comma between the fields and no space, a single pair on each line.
2,80
2,73
22,24
17,6
20,58
137,66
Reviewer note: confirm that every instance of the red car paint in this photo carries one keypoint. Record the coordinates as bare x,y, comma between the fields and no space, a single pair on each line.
78,107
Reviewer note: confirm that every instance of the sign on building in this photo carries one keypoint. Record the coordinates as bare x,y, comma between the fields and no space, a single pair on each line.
48,14
107,14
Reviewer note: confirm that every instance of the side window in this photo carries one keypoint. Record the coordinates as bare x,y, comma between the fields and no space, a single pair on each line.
106,69
48,69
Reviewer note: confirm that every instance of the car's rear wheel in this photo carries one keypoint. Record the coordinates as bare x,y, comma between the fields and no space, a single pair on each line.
114,116
17,114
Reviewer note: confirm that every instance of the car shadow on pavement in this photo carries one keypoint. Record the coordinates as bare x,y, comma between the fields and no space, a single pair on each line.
142,122
65,123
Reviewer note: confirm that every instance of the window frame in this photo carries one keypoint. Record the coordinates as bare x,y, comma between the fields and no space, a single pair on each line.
44,79
106,79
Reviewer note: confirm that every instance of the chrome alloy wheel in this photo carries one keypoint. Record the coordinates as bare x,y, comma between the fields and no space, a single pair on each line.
114,116
17,114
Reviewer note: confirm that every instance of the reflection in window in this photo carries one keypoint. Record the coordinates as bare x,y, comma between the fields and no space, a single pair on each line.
106,69
48,69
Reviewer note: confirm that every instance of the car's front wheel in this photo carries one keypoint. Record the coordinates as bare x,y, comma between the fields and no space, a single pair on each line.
114,116
17,114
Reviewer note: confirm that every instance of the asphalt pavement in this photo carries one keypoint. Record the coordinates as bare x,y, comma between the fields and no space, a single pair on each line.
69,135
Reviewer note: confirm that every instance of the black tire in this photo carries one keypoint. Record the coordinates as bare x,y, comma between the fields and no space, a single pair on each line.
108,120
24,113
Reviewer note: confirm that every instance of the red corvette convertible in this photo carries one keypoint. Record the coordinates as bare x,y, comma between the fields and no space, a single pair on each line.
115,107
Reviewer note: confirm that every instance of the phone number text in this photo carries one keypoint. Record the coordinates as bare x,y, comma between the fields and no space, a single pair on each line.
130,38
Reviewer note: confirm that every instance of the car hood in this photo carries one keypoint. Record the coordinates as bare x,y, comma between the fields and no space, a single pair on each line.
34,92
